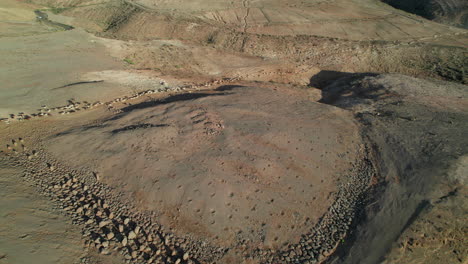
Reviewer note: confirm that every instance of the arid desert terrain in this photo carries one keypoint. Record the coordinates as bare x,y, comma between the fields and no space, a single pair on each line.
243,131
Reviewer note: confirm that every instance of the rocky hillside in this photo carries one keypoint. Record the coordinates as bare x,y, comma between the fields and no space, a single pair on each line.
452,12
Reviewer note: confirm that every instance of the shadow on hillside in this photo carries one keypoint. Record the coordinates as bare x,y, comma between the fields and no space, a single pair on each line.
343,85
325,78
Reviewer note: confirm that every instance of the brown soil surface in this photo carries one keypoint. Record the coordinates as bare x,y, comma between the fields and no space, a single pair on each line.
227,164
231,132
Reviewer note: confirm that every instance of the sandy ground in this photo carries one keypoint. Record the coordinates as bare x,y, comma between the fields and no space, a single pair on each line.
31,224
57,66
64,55
33,228
16,19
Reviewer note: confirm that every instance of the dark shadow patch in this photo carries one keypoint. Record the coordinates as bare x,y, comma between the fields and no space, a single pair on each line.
228,87
445,11
170,99
136,127
426,9
344,85
77,130
77,83
419,209
44,18
464,21
325,78
445,197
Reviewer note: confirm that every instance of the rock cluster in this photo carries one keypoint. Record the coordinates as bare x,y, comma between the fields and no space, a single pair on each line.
45,111
76,106
108,227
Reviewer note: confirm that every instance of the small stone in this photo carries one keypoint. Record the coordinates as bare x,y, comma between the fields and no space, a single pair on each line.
126,221
103,223
132,235
110,235
124,241
186,256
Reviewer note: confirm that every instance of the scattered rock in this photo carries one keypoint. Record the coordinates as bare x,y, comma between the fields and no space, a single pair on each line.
132,235
110,235
104,223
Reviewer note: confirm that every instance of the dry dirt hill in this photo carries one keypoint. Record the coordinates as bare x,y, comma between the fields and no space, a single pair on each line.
232,132
232,164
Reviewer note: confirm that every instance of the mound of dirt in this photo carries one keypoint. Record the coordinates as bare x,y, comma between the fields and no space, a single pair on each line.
252,163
